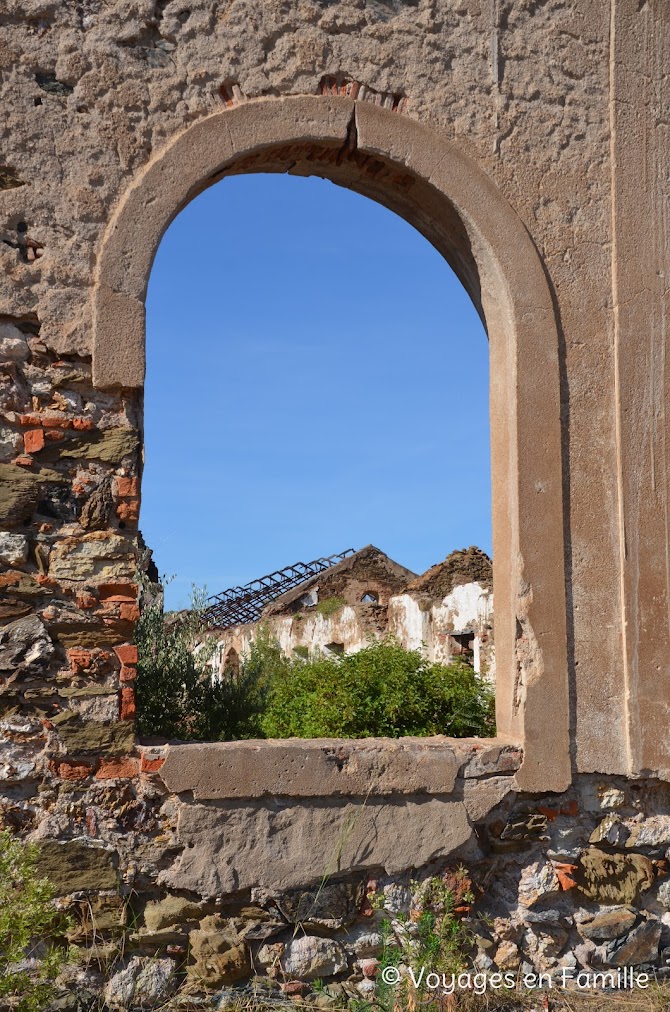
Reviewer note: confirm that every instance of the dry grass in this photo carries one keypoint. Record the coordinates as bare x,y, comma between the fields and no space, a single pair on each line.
655,998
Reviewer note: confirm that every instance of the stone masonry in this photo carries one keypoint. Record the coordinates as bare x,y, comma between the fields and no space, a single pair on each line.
528,141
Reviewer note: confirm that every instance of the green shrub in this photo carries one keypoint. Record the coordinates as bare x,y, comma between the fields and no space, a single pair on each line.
27,919
383,690
329,606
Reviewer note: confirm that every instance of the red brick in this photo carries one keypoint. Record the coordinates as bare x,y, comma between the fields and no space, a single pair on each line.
130,612
23,460
127,710
66,770
83,424
56,422
129,511
127,653
150,765
79,659
33,440
117,591
86,600
124,767
128,673
127,486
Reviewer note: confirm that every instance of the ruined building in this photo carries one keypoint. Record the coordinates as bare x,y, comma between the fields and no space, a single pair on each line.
447,612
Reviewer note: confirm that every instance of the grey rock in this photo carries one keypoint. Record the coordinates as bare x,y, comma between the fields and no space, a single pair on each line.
13,549
145,981
608,925
640,946
308,957
10,444
13,343
25,645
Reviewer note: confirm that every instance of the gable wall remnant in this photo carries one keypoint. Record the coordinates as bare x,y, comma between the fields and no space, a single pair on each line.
529,143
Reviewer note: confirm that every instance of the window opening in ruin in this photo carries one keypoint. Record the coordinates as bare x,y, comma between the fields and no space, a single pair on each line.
249,326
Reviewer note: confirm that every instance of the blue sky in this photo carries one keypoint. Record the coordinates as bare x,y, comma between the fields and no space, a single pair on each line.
317,379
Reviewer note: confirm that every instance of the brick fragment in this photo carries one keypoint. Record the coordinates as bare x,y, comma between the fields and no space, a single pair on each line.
79,658
30,420
129,612
127,486
23,460
127,653
129,511
33,440
150,765
128,673
83,424
53,435
128,709
71,770
121,767
565,873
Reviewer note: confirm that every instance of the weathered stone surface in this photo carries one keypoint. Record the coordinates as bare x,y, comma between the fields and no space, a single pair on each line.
308,957
608,925
73,867
611,830
98,555
233,846
170,911
653,831
481,796
641,946
97,914
333,905
316,768
81,737
10,444
613,878
111,446
221,956
144,982
537,881
25,646
20,490
13,549
13,343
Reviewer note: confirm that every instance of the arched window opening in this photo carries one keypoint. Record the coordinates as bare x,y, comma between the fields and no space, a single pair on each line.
270,357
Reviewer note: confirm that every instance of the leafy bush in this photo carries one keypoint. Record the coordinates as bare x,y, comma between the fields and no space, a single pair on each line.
381,691
28,963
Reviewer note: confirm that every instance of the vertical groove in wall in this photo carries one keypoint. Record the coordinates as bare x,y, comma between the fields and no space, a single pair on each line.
616,336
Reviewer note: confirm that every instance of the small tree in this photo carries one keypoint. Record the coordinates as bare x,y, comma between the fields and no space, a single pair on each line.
29,962
177,695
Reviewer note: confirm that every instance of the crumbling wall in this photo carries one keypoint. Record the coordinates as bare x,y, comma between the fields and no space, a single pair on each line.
437,627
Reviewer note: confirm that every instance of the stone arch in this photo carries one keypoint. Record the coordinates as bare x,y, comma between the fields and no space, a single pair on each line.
432,184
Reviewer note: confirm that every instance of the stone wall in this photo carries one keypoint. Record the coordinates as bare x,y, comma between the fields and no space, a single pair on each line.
528,142
190,869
